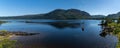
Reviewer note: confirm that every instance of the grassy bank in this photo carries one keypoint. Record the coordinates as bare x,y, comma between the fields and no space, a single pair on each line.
118,45
5,41
116,31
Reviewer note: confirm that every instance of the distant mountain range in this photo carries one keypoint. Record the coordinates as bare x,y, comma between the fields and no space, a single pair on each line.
55,14
62,14
114,16
98,16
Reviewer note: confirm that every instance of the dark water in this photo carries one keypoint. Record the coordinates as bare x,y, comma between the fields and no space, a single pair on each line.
61,34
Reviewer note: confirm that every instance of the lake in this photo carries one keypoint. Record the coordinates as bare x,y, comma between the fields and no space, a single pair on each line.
61,34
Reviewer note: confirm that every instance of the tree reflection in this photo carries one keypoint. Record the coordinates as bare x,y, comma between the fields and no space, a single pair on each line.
64,24
105,28
82,26
59,24
2,22
103,34
82,29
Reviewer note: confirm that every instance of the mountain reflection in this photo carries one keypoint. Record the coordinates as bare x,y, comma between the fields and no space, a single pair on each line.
59,24
2,22
64,24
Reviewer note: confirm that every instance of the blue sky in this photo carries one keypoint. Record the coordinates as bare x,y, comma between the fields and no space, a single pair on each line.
23,7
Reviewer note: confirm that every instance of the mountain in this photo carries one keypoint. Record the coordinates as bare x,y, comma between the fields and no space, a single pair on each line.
98,16
55,14
67,14
114,16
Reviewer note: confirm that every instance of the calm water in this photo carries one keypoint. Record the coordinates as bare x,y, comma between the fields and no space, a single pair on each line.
61,34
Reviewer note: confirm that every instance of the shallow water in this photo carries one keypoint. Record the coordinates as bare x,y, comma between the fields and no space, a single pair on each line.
61,34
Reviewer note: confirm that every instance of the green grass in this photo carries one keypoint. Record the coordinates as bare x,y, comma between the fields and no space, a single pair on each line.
5,41
116,31
118,44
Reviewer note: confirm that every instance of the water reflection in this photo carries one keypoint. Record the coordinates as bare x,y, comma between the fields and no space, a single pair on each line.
2,22
105,31
60,24
82,28
64,34
64,24
103,34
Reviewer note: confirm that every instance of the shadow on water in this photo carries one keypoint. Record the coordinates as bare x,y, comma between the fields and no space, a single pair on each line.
103,34
59,24
105,31
2,22
64,24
